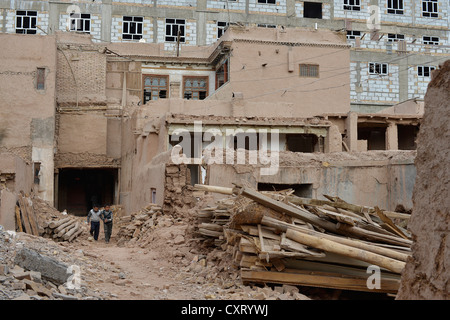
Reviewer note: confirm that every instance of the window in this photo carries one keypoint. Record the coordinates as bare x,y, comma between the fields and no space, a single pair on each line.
378,68
312,10
393,37
430,8
395,6
309,70
430,40
132,28
155,87
195,88
264,25
40,78
354,5
153,195
37,172
267,1
221,27
352,34
80,22
173,28
425,71
222,75
26,22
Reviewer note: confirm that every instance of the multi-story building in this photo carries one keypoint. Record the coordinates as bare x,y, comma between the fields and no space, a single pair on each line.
395,43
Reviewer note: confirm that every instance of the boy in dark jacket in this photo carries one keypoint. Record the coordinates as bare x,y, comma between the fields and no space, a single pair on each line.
107,217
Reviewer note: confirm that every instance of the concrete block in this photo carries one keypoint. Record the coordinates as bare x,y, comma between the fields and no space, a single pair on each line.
49,268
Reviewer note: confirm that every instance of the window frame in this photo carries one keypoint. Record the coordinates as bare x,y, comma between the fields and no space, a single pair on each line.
30,18
144,76
221,28
129,23
267,1
356,6
395,37
172,30
434,13
77,19
226,73
381,65
312,70
393,7
352,36
433,41
421,71
185,78
40,78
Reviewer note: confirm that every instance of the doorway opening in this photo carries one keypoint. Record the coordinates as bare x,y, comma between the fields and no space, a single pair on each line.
80,189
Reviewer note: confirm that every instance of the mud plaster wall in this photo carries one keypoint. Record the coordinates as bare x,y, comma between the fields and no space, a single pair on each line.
27,115
427,272
371,185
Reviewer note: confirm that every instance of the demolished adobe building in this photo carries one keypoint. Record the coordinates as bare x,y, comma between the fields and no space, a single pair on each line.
116,111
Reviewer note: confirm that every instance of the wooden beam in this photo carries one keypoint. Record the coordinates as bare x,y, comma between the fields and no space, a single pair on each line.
345,250
317,279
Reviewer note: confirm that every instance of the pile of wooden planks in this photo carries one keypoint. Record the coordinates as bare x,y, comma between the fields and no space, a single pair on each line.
66,229
26,220
281,238
211,220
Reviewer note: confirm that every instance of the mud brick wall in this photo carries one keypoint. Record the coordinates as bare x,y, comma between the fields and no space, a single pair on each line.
178,196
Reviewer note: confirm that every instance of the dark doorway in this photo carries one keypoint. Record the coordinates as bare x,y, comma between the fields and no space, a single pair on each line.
303,190
304,142
407,135
80,189
374,134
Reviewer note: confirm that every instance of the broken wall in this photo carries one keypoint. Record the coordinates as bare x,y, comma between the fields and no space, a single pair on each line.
370,179
27,102
426,274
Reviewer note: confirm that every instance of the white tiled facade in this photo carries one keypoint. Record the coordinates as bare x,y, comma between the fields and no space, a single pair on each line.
238,5
278,8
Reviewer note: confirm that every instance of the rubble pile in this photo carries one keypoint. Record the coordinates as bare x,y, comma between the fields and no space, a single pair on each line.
276,237
35,268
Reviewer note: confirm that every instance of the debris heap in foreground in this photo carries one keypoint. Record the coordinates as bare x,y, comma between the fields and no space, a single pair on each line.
284,239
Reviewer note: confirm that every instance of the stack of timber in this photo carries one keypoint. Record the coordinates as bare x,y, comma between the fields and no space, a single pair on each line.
284,239
211,220
66,229
26,220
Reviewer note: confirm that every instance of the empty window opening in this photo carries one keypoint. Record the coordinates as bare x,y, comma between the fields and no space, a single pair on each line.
312,10
37,172
26,22
132,28
155,87
153,195
374,134
304,190
246,140
80,189
194,170
267,1
40,78
186,140
304,142
407,135
221,28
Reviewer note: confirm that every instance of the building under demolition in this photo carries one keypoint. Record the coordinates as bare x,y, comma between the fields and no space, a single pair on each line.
86,122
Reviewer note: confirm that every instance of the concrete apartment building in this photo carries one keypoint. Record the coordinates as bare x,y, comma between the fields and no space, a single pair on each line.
117,88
